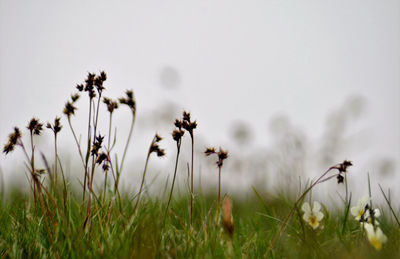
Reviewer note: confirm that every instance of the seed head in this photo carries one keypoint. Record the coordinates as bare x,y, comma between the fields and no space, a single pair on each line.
343,166
97,145
12,141
129,100
222,155
209,151
69,109
177,134
111,105
79,87
75,97
35,126
56,127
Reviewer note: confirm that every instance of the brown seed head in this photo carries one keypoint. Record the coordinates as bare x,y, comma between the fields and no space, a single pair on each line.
12,141
74,97
177,134
35,126
69,109
129,100
209,151
343,166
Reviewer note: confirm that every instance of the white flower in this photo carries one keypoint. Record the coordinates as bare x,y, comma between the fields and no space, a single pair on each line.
368,218
314,216
359,210
375,236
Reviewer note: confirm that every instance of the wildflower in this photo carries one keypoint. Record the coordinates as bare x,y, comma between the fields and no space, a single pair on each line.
359,210
375,236
314,216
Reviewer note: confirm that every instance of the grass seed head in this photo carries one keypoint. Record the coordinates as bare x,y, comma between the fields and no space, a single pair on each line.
69,109
35,126
12,141
129,100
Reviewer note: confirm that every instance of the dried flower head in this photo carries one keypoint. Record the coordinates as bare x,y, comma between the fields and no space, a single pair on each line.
101,158
74,97
222,155
155,148
178,124
187,124
35,127
79,87
340,178
129,100
343,166
12,141
111,105
177,134
97,145
209,151
56,127
69,109
99,80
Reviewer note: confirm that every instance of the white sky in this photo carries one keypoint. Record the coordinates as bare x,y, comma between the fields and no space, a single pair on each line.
236,60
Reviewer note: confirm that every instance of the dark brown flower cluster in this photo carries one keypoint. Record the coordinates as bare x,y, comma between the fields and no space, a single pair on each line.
103,158
93,81
35,127
222,155
178,133
69,108
187,124
129,100
342,168
12,141
56,127
111,105
98,141
155,148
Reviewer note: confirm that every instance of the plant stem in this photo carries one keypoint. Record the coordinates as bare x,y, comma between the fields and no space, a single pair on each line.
173,180
141,185
191,188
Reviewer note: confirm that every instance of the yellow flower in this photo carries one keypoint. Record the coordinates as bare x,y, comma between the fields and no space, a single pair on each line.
359,210
314,216
375,236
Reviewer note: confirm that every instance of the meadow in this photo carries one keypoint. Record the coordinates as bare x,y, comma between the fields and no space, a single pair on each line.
58,220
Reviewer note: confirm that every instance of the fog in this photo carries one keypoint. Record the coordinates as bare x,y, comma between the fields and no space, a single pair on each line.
288,87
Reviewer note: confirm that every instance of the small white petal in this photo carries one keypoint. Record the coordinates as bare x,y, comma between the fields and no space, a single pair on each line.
306,207
377,213
316,207
306,216
319,215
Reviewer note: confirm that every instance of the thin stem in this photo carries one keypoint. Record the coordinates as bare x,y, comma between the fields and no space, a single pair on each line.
173,180
127,143
108,155
141,185
87,150
76,141
191,185
55,159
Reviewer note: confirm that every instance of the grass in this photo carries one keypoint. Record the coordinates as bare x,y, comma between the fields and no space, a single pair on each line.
56,220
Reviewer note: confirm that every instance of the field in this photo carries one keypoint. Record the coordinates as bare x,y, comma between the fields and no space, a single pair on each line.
57,220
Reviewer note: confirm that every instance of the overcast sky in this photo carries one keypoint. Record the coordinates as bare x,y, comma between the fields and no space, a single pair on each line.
222,60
